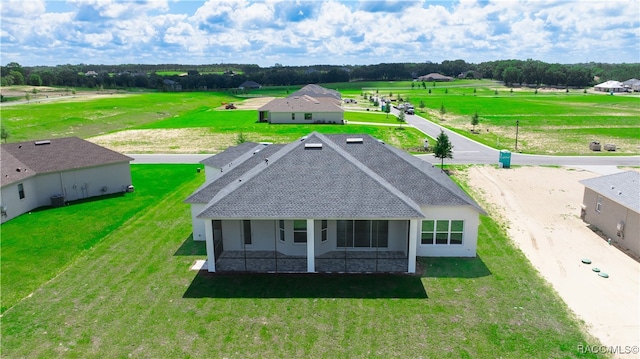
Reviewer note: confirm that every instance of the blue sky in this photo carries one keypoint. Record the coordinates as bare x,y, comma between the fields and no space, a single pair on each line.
36,32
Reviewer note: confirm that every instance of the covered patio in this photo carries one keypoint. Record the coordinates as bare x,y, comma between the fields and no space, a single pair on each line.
330,262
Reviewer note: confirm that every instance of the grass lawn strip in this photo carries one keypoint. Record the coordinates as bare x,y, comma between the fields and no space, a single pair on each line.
57,236
133,295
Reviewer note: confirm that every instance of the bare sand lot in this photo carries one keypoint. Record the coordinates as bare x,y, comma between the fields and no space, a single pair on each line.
183,140
541,209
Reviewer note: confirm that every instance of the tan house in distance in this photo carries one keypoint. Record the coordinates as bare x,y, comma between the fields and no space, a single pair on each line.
311,104
611,203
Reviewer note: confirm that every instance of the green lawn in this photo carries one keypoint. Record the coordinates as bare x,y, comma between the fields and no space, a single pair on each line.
57,236
131,294
92,117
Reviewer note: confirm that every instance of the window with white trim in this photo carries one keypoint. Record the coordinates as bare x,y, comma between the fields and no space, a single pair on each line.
21,190
308,116
599,204
281,225
323,230
299,231
362,234
442,231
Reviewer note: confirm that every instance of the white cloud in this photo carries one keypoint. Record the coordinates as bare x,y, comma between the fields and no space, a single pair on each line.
322,32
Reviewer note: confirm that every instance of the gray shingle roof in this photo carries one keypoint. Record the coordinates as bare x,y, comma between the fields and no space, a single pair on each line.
55,155
623,188
316,91
366,180
209,190
229,155
303,104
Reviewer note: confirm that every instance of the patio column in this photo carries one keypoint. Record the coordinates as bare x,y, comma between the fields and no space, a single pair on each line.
413,242
208,235
311,246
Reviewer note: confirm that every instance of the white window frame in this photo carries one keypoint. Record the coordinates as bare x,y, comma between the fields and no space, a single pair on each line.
21,193
598,204
433,232
323,231
300,231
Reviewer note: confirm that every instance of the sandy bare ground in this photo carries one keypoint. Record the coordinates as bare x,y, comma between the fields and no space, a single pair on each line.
251,103
185,140
541,208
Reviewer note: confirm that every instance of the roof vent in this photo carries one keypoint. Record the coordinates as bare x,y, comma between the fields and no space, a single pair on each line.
313,146
303,138
355,140
41,143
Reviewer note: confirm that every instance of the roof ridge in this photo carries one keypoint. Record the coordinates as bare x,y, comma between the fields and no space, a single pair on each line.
232,187
376,177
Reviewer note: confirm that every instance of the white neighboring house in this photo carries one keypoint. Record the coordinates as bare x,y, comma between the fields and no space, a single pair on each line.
610,86
66,169
310,104
329,203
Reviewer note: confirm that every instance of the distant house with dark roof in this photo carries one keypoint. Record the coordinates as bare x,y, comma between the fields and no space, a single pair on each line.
633,84
171,85
66,169
435,77
329,203
611,203
249,85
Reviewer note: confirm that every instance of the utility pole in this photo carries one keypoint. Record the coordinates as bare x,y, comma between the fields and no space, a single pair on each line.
517,123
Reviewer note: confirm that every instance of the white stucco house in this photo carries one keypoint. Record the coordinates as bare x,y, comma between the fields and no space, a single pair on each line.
310,104
610,86
66,169
329,203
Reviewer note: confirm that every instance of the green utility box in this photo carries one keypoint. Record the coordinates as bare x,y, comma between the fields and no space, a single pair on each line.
505,159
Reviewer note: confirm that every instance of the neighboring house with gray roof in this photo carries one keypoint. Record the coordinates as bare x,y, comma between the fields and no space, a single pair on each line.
66,169
317,91
435,77
611,204
249,85
311,104
633,84
329,203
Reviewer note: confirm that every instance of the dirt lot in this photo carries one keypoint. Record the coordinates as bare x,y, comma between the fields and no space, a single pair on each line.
184,140
541,208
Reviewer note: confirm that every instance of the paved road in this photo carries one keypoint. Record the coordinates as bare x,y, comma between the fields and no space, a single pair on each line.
467,151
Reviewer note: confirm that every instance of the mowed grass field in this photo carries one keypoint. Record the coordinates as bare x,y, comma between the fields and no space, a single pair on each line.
129,293
176,123
549,122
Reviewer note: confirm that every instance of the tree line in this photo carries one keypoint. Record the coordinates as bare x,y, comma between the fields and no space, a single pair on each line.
227,76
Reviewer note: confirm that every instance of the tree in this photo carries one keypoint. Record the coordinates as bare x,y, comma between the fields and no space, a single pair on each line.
402,118
421,105
475,120
35,80
442,109
443,148
4,134
387,108
240,138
